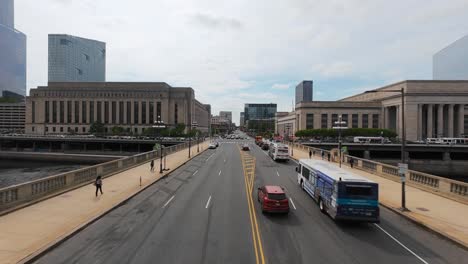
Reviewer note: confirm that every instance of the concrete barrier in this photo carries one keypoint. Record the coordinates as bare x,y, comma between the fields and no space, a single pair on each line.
20,195
448,188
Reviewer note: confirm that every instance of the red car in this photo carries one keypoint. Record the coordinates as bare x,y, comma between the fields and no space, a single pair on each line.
273,199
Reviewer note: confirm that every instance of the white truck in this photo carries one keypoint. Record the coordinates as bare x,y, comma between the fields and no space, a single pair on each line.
278,151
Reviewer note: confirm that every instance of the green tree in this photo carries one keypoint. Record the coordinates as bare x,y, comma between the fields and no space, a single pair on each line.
117,130
97,128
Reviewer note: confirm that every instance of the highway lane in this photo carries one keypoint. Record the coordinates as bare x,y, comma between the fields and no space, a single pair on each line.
172,221
307,234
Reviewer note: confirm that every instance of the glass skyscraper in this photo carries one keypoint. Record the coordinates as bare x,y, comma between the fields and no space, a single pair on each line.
12,52
75,59
451,63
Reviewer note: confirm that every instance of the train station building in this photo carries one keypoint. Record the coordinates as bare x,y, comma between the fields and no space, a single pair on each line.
432,109
71,107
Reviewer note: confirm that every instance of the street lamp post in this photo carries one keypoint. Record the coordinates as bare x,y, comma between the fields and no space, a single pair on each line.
339,128
403,165
159,124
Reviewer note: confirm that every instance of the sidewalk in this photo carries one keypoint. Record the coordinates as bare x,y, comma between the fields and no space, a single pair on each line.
30,230
445,216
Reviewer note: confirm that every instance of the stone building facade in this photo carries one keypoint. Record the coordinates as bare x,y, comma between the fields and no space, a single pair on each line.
72,107
432,109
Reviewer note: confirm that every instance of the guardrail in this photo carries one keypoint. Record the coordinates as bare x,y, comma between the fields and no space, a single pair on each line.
21,194
442,186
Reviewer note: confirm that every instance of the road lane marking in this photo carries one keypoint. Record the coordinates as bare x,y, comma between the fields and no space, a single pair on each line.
219,173
209,157
277,173
168,201
401,244
208,203
292,203
195,173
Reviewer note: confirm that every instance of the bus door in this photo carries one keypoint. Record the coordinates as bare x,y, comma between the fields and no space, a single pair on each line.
312,182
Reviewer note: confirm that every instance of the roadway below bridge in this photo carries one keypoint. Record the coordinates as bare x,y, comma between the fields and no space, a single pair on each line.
202,213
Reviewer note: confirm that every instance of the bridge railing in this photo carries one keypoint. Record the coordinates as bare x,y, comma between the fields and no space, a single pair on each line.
442,186
26,193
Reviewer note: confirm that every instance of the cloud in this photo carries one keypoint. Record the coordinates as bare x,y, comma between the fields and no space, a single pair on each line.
334,69
214,22
281,86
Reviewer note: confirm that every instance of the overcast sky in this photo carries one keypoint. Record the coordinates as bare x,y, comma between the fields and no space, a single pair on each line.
236,52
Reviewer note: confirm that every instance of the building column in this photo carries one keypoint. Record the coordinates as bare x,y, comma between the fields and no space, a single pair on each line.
139,112
329,121
117,114
359,122
125,112
461,120
132,113
440,121
110,111
88,112
397,121
73,112
429,121
386,123
420,117
65,107
450,120
147,112
95,111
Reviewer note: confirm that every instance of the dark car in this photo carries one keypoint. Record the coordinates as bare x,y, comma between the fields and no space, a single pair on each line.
245,147
265,147
273,199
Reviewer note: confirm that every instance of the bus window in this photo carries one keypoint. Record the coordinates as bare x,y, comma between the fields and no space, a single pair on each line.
305,172
313,175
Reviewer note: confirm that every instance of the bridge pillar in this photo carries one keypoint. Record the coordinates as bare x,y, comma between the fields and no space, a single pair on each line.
34,146
367,154
121,148
138,145
446,156
102,146
50,146
84,147
16,146
62,147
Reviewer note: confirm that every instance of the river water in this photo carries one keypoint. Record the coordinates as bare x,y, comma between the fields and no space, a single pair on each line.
14,172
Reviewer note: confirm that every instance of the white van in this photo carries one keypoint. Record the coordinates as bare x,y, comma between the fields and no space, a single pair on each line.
278,151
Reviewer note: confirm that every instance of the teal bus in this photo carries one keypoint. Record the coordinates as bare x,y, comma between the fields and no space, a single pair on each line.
338,192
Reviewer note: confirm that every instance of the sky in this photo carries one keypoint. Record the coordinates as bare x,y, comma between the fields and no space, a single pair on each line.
237,52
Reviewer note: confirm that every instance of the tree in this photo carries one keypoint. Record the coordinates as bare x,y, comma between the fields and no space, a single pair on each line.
117,130
97,128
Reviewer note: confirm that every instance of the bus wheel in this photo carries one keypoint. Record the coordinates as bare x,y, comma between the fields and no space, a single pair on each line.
321,205
302,184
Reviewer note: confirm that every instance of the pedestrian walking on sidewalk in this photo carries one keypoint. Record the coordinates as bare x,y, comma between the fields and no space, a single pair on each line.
152,165
310,154
329,156
351,162
98,184
322,154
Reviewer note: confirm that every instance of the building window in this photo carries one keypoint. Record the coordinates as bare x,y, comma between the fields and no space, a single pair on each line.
77,112
465,132
129,113
99,112
68,129
355,122
375,121
334,119
114,112
83,129
158,111
91,112
121,112
64,42
69,112
47,112
83,112
32,129
136,130
79,71
324,121
86,56
53,129
151,112
54,111
47,129
310,121
135,112
365,121
344,118
176,114
33,112
143,112
62,111
106,112
76,129
61,129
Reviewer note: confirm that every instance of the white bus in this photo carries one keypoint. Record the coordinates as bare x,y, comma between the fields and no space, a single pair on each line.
278,151
339,193
449,141
371,140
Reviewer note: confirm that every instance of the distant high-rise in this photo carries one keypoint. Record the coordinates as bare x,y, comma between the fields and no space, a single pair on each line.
75,59
226,115
241,121
12,52
304,91
451,63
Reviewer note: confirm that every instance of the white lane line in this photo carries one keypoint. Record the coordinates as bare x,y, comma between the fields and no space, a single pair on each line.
209,157
401,244
292,203
277,173
219,173
195,172
224,160
168,201
208,203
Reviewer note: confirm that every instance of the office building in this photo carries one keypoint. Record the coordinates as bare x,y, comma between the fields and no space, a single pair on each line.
451,63
226,115
241,121
432,109
75,59
304,91
73,107
12,52
12,117
260,117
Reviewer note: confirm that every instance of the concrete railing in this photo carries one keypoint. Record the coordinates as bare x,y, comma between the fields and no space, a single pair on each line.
442,186
29,192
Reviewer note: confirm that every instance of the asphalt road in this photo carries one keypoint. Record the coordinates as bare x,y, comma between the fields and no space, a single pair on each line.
200,214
